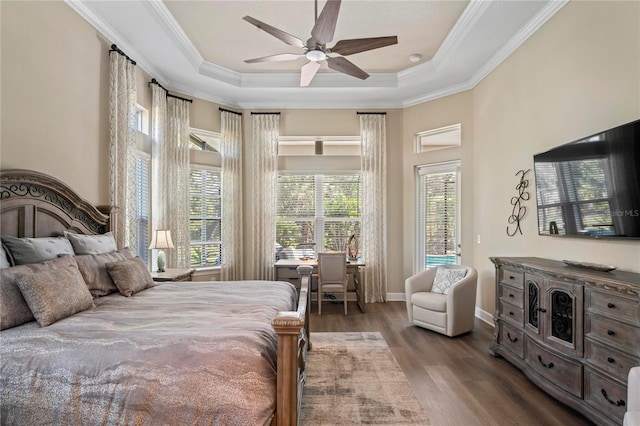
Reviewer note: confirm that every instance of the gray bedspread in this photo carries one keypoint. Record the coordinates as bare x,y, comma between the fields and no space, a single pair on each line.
179,353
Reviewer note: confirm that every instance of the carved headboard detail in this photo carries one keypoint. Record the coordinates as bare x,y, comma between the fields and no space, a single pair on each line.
33,204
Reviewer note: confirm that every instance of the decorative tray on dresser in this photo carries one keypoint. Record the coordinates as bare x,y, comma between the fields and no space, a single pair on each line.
574,332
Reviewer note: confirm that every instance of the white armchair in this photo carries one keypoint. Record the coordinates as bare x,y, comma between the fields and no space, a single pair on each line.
632,416
450,314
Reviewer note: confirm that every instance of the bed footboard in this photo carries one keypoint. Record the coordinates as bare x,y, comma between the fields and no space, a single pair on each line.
292,328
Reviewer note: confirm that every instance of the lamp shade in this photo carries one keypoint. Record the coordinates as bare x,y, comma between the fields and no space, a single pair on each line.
161,239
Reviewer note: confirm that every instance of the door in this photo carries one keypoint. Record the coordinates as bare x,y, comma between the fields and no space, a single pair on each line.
438,220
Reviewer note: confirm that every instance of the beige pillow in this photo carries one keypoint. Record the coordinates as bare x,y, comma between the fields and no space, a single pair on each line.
130,276
94,271
55,294
14,310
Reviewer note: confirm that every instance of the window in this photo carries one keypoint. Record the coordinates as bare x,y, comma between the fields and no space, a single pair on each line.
205,216
316,209
143,208
444,137
438,215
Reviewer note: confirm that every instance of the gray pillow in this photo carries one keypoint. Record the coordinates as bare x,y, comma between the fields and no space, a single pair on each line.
14,310
4,259
55,294
446,277
130,276
33,250
91,244
93,270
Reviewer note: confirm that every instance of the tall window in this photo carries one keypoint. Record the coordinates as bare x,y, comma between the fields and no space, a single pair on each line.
205,216
438,215
143,207
316,213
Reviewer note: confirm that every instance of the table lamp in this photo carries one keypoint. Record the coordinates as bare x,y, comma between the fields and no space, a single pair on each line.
161,239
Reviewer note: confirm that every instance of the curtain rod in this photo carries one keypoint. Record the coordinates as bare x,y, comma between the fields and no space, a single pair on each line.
154,81
228,110
265,113
169,95
372,113
114,48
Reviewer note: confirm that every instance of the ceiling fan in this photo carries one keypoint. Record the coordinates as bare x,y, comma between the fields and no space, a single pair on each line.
316,50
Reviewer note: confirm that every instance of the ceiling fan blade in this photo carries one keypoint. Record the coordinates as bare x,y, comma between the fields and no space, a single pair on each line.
325,26
279,34
357,45
307,73
344,65
276,58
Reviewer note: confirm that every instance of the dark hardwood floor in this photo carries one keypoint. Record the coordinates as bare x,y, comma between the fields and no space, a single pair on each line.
455,379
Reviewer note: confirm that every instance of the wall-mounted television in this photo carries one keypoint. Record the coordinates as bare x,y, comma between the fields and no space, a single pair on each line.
591,187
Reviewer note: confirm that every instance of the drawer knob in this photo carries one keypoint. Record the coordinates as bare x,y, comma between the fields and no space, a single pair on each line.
611,360
513,340
618,403
542,310
611,332
511,313
511,277
511,295
610,305
550,365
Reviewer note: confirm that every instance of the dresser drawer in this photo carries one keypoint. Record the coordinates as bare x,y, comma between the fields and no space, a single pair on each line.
605,395
614,306
613,333
511,277
610,360
561,372
512,295
512,313
511,338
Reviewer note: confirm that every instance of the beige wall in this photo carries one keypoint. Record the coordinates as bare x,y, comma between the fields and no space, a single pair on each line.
577,75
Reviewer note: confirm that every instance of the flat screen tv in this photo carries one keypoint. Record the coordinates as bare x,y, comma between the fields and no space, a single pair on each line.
591,187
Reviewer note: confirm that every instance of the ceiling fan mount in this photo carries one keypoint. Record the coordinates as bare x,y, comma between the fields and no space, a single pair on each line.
315,49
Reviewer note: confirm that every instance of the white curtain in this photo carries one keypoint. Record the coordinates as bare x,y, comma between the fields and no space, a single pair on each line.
266,131
231,150
158,131
374,211
122,145
174,181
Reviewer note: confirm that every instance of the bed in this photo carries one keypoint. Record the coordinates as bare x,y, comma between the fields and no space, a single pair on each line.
174,353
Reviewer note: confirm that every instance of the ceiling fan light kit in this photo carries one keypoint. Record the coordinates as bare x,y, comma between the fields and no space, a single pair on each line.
315,49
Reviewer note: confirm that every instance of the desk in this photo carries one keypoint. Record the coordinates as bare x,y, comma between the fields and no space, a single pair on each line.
286,271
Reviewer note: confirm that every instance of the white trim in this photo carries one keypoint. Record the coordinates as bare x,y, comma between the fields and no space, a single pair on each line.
396,297
484,316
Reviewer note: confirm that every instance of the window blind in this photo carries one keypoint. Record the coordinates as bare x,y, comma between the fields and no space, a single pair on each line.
143,205
316,209
438,213
205,217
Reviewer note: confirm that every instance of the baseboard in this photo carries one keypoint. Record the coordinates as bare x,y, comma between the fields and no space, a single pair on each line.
395,297
485,316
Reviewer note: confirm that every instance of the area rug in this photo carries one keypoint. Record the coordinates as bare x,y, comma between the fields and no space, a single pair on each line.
354,379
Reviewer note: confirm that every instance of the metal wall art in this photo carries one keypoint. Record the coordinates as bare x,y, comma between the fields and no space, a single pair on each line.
519,210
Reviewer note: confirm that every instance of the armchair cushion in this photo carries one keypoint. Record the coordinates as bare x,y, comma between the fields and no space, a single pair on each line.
446,277
431,301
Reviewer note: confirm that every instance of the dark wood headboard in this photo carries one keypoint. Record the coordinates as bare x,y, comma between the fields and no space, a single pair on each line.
33,204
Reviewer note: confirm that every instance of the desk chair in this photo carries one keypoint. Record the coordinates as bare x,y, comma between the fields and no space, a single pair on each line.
332,276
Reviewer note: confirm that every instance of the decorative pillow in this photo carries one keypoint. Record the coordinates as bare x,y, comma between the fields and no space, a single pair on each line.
55,294
93,270
130,276
91,244
4,259
445,278
14,310
34,250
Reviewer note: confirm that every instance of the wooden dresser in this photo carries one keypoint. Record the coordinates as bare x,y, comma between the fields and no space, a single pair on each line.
574,332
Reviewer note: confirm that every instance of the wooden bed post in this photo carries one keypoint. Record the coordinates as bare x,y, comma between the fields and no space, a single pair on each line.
292,329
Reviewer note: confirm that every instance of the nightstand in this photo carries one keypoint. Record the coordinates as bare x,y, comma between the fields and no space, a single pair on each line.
173,275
